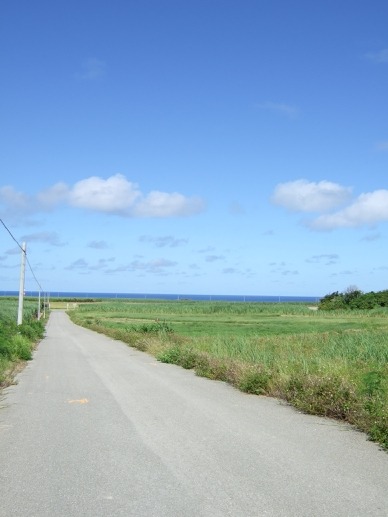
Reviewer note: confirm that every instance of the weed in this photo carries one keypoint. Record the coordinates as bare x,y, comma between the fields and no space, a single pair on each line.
255,380
325,396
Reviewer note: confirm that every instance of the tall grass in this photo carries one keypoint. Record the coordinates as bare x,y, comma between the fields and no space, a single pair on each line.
17,342
334,364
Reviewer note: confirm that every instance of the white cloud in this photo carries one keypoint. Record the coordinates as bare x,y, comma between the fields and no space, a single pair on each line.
163,204
367,209
282,108
114,195
380,56
304,196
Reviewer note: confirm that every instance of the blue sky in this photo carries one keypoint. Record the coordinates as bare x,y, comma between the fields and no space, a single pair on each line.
195,147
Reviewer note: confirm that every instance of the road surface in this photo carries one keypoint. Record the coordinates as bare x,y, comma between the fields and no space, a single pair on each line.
94,428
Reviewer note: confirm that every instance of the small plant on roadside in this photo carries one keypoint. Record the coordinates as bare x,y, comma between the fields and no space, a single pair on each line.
321,395
255,381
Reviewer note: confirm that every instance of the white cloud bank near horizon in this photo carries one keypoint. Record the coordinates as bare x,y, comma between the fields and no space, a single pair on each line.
114,196
368,209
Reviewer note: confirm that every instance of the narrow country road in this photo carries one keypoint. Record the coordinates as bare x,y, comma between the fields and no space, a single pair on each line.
94,428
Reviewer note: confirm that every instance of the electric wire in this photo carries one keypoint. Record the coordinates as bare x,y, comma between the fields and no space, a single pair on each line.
9,231
25,253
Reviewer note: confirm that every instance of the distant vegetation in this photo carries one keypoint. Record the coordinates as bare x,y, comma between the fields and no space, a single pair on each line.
329,363
17,342
353,298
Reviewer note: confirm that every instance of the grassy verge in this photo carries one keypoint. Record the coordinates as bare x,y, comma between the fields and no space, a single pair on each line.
17,342
329,364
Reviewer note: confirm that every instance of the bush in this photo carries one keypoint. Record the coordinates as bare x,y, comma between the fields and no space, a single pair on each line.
255,381
180,356
22,348
33,330
17,341
353,298
325,396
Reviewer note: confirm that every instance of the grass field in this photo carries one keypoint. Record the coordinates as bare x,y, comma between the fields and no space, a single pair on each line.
17,342
326,363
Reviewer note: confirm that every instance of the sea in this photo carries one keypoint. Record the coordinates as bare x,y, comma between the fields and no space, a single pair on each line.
177,296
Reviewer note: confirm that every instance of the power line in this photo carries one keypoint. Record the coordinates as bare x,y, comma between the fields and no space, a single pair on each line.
33,274
9,231
24,251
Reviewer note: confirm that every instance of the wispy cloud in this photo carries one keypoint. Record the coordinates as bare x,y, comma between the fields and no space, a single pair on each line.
380,268
163,242
102,264
230,271
214,258
156,266
328,259
235,208
45,237
92,69
371,237
208,249
77,264
382,145
98,245
81,265
279,107
13,251
380,56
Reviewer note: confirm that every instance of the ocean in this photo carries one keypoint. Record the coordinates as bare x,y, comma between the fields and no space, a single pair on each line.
161,296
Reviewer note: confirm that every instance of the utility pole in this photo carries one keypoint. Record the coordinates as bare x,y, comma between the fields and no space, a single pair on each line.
21,285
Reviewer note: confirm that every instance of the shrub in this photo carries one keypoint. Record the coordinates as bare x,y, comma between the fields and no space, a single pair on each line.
181,356
22,348
324,396
255,381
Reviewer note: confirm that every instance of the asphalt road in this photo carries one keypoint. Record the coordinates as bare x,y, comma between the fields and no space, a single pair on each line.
94,428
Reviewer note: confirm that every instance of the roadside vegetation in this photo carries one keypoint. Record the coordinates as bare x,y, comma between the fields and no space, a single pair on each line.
17,342
329,363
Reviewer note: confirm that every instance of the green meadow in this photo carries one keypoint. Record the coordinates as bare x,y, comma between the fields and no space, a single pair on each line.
333,363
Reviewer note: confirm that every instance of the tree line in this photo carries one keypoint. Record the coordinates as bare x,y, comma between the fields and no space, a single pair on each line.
353,298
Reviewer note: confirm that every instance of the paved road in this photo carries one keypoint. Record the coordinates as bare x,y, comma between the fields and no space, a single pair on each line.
94,428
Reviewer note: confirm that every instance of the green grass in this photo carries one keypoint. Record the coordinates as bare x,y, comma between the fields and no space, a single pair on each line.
333,364
17,342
